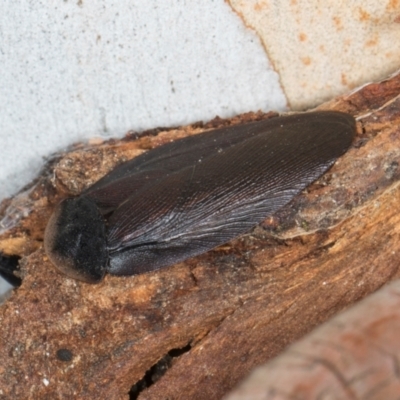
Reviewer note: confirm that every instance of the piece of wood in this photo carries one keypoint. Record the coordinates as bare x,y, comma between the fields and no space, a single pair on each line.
355,355
230,309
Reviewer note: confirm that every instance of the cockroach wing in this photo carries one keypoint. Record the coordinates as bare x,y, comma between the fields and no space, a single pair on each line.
130,177
206,204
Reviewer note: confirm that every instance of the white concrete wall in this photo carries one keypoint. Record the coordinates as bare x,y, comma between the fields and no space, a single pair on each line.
72,70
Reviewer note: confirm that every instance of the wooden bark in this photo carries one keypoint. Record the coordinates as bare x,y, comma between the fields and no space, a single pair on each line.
228,310
353,356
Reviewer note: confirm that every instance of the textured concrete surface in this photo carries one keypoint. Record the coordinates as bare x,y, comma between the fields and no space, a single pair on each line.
74,70
322,49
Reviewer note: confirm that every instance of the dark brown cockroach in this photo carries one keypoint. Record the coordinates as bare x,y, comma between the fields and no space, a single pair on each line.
189,196
8,265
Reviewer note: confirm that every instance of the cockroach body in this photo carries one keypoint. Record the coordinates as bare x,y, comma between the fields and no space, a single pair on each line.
191,195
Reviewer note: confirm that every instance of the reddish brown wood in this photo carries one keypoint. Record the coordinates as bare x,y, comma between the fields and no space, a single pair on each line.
353,356
232,308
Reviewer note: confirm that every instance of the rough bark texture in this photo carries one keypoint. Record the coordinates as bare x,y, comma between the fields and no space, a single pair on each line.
230,309
353,356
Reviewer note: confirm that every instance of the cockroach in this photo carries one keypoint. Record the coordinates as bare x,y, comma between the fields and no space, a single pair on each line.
8,265
188,196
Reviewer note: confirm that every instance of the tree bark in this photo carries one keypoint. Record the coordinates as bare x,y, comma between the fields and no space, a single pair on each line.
212,319
352,356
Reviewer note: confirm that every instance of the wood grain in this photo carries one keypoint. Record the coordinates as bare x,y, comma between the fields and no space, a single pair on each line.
230,309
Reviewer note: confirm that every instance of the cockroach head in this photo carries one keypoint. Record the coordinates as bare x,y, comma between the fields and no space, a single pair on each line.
75,240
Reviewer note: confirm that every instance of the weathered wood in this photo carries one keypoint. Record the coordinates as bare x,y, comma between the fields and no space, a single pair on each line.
230,309
355,355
